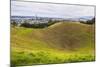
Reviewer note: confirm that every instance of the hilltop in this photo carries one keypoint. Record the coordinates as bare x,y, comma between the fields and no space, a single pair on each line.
60,38
59,35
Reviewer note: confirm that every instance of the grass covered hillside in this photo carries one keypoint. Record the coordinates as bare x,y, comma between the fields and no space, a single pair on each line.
61,42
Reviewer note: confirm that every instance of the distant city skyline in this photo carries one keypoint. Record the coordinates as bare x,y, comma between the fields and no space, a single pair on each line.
19,8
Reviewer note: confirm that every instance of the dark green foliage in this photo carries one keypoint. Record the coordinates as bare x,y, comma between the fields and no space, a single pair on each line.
82,22
39,25
92,21
14,23
28,25
50,22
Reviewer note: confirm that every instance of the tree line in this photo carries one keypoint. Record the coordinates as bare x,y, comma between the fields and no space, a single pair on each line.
43,25
34,25
90,22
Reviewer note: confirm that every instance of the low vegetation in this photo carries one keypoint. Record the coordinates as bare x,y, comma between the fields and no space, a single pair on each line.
59,43
48,57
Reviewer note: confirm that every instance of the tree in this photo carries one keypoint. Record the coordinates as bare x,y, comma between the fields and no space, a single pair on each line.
92,21
14,23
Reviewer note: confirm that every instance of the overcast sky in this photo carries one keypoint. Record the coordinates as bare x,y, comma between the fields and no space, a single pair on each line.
19,8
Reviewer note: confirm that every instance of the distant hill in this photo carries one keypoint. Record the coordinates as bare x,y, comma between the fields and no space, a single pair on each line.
86,18
32,17
83,18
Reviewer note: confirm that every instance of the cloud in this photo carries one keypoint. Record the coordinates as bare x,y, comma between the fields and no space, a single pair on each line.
50,10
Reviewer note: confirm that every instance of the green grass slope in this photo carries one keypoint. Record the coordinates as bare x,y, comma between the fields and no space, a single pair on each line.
58,43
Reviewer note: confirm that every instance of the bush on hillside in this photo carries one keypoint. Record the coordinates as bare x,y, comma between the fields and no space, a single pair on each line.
50,22
14,23
28,25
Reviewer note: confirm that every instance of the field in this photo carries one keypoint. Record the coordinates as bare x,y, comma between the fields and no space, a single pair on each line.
62,42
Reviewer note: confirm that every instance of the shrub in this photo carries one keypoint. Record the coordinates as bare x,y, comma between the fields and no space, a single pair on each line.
14,23
82,22
28,25
50,22
92,21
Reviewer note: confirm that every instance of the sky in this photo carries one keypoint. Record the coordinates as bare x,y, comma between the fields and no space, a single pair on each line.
19,8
